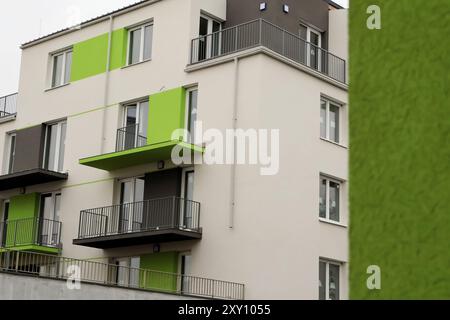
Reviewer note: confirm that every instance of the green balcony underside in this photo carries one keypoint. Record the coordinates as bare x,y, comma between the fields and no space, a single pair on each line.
139,156
32,248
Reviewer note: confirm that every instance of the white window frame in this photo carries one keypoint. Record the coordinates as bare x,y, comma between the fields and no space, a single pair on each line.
54,219
209,46
55,166
327,120
327,277
183,191
131,180
63,81
327,199
137,103
8,153
182,281
142,41
308,40
188,137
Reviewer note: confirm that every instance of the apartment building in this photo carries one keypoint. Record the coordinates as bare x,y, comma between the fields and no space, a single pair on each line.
87,166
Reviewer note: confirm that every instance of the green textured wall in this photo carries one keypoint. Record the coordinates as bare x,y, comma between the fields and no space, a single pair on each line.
119,44
22,209
166,114
400,150
165,262
90,56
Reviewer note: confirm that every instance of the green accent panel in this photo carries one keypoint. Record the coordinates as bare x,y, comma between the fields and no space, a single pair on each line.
139,156
119,44
166,114
399,155
167,263
24,206
89,57
32,248
22,224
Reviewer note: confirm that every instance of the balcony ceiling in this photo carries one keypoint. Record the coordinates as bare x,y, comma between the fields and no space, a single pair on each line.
139,238
29,178
138,156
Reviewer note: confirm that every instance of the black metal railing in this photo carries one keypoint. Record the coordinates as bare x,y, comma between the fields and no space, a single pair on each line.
150,215
32,231
129,138
57,267
8,105
263,33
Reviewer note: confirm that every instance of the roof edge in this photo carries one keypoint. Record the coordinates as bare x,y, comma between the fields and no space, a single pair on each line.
90,22
334,4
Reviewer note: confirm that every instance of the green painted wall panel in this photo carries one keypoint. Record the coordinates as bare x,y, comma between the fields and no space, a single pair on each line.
399,155
166,114
22,227
89,58
119,44
165,262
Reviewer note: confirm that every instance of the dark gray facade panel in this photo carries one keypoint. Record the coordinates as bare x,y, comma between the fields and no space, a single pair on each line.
162,184
314,12
29,148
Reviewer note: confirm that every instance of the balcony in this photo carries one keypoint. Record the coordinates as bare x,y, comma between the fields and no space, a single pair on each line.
8,107
134,149
29,178
261,33
152,221
33,234
112,275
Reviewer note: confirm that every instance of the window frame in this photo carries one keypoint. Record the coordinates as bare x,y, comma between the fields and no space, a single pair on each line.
10,154
327,278
327,120
189,138
327,199
56,163
142,43
63,80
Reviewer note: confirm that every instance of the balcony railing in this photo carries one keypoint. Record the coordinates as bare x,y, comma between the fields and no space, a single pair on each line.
129,138
57,267
8,105
33,231
263,33
146,216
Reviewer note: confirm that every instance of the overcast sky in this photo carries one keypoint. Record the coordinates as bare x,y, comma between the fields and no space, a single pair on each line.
25,20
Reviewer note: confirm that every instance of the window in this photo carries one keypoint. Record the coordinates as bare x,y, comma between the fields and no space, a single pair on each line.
10,153
313,46
126,271
55,141
330,120
185,272
329,286
188,218
329,200
192,103
49,224
134,133
61,67
131,210
209,46
3,225
140,43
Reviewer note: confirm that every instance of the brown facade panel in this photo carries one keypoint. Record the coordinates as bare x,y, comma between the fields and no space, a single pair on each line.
29,149
314,12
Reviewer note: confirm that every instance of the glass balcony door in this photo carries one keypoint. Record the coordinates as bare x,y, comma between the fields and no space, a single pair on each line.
48,224
188,195
3,223
134,133
210,38
132,205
